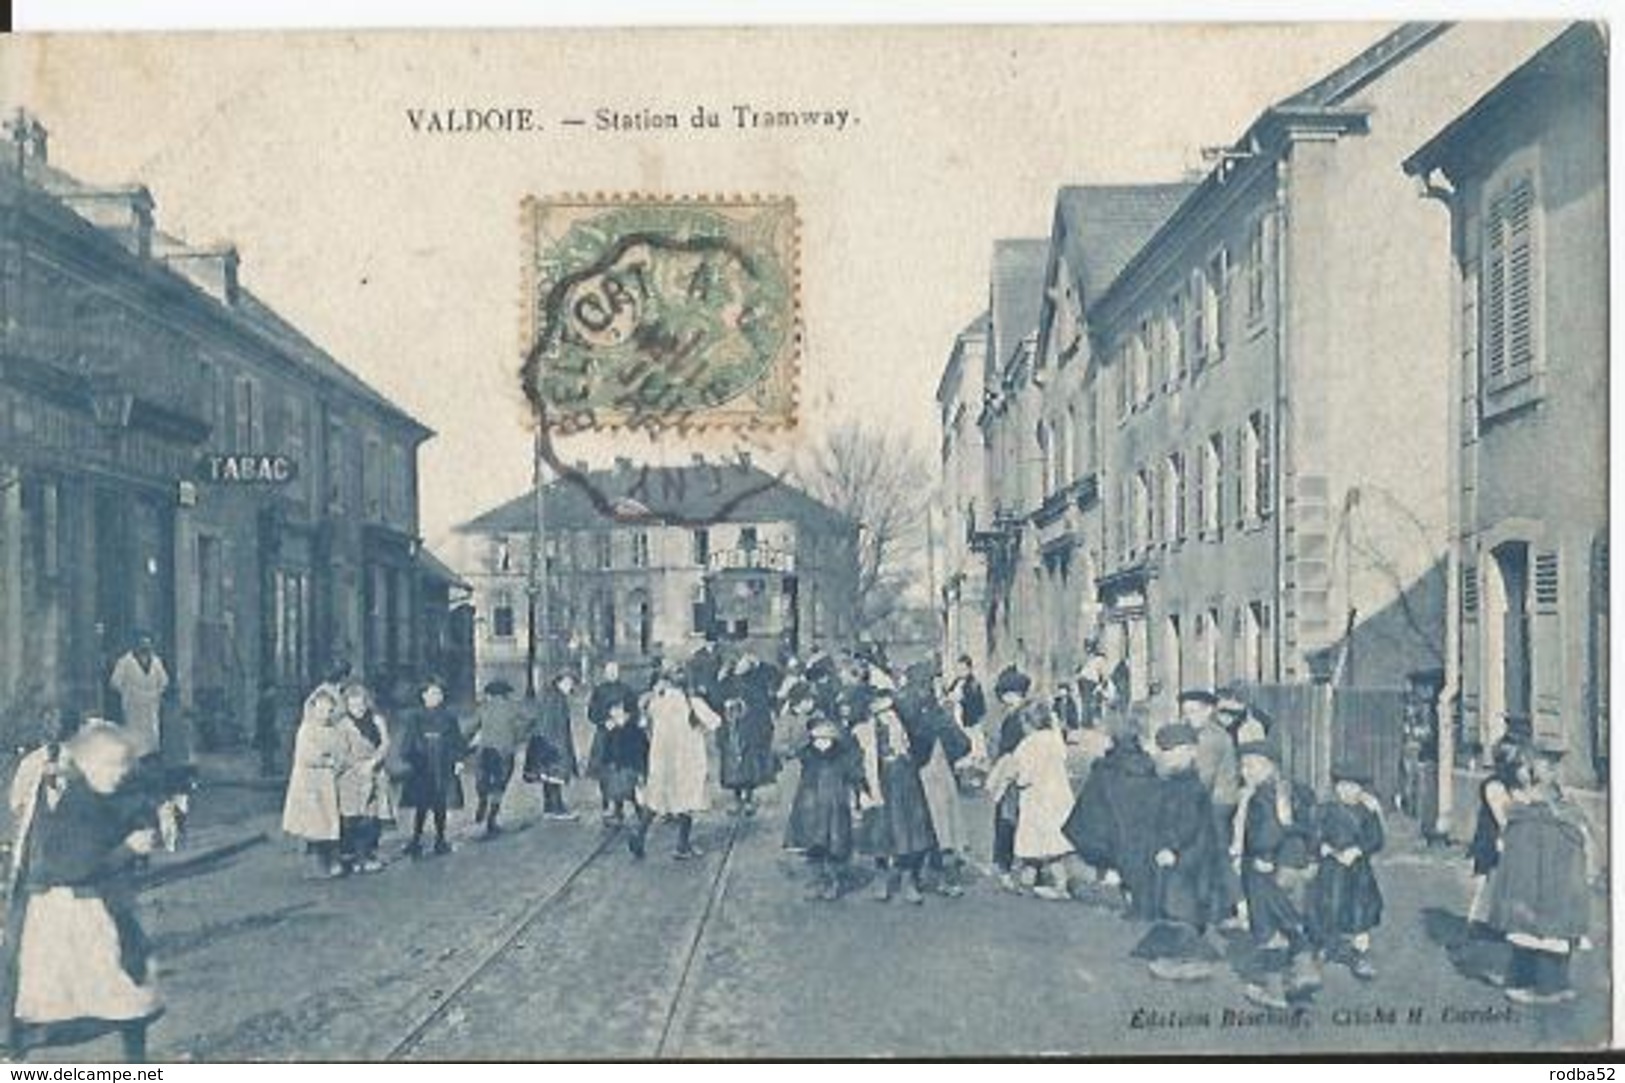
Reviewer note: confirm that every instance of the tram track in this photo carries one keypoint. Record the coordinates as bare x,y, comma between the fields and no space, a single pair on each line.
470,982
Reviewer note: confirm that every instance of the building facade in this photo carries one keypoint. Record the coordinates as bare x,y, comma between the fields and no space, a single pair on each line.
646,562
1221,456
176,458
963,602
1523,173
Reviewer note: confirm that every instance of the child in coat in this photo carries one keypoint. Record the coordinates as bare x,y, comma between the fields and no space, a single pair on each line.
310,810
365,801
1036,771
1185,849
432,747
623,758
1278,849
897,829
820,824
76,962
1345,902
1542,889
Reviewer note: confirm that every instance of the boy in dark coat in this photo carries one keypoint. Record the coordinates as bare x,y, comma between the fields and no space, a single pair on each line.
550,756
607,693
623,761
1279,844
1184,859
1345,903
432,748
1107,823
820,822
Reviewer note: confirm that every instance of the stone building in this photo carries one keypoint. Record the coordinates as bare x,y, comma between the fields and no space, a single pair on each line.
175,457
645,562
1221,450
1523,173
964,571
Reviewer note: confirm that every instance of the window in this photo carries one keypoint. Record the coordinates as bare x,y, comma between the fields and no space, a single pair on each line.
1507,288
1210,495
747,538
602,551
1061,436
640,549
700,546
249,419
1173,495
291,624
700,607
372,477
502,615
293,440
1257,269
336,466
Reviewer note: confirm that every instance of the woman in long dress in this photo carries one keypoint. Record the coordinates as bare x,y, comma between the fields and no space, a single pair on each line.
675,786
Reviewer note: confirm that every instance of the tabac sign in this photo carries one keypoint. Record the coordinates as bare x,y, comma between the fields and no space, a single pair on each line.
244,469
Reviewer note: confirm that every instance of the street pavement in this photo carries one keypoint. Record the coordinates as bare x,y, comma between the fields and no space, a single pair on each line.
516,949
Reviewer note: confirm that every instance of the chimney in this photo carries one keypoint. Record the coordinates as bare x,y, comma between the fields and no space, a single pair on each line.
29,137
580,466
212,269
125,212
744,460
699,458
623,465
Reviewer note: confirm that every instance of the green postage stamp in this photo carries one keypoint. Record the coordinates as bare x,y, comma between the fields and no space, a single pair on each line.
650,312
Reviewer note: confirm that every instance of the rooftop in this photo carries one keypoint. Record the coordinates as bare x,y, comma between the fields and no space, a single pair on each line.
1017,294
699,494
1103,226
248,309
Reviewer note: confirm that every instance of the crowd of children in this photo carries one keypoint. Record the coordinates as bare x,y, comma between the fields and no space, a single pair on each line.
1191,825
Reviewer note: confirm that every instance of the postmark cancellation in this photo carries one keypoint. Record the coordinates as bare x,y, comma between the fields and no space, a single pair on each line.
656,313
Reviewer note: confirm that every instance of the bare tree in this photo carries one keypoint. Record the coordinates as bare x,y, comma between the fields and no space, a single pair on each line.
883,482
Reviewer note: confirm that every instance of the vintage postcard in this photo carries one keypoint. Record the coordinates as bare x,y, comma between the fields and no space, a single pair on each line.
814,542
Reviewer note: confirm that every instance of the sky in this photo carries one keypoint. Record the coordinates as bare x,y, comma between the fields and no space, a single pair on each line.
400,252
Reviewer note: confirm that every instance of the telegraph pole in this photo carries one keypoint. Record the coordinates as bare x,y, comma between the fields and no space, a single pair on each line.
536,648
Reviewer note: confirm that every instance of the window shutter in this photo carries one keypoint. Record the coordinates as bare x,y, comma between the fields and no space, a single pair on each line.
1493,303
1546,635
1198,484
1471,645
1519,347
1239,486
1265,483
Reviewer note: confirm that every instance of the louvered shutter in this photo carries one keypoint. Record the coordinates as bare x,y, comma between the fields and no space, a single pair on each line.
1492,305
1471,648
1265,483
1519,240
1546,650
1239,485
1198,470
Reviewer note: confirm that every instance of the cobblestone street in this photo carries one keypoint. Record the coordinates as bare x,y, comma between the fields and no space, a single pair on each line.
531,946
